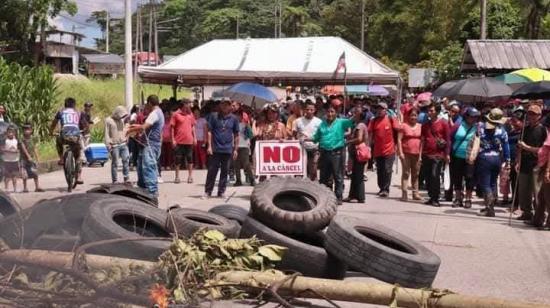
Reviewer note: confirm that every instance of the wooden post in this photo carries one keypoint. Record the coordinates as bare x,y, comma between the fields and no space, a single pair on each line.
371,293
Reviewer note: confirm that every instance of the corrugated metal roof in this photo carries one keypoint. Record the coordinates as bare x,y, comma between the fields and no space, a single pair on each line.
106,58
500,55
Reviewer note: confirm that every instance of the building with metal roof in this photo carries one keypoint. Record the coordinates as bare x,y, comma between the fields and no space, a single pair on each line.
103,64
501,56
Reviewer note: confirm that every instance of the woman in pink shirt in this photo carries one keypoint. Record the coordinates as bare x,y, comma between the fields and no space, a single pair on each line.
408,149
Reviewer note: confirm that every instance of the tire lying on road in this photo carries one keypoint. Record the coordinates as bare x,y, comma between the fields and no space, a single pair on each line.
126,191
309,259
59,215
231,212
381,252
293,205
125,218
185,222
8,206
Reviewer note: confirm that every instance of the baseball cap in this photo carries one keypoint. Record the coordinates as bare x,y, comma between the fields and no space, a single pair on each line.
535,109
382,105
472,112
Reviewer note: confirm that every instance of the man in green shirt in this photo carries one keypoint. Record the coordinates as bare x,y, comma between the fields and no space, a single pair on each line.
332,142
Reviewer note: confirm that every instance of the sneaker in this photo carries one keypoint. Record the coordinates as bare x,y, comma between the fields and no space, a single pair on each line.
339,202
238,183
159,180
39,190
428,202
436,203
177,181
383,194
221,196
205,197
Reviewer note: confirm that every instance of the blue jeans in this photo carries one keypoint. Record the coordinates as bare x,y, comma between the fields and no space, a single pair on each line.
147,169
487,170
120,151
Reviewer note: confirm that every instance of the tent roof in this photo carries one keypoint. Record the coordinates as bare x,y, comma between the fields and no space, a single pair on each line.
292,61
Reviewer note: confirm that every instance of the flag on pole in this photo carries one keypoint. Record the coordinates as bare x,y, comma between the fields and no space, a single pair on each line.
341,64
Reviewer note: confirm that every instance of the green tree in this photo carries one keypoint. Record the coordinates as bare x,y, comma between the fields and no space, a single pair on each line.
503,21
446,61
21,20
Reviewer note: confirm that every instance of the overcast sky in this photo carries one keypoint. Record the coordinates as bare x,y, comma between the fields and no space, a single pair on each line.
85,8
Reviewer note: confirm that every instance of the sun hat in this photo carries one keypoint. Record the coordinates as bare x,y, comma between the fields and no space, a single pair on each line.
382,105
495,117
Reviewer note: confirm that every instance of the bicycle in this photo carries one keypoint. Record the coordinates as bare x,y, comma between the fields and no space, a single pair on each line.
71,167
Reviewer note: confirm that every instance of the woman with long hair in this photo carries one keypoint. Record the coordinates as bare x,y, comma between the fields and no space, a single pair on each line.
408,149
359,135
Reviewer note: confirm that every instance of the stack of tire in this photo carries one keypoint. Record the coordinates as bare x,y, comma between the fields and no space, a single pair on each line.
66,222
301,215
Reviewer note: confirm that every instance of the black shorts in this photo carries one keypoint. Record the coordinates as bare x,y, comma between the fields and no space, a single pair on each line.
184,154
30,169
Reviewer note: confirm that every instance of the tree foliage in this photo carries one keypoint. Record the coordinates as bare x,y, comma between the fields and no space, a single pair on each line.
21,20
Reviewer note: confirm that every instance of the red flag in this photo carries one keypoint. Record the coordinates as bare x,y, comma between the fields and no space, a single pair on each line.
341,64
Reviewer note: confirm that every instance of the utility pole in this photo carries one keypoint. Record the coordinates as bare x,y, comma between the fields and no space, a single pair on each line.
363,25
128,82
136,48
156,37
483,21
150,34
107,33
280,18
275,13
237,30
140,28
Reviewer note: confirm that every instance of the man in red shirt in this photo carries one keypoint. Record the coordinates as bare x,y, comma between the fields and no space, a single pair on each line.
436,146
183,139
380,130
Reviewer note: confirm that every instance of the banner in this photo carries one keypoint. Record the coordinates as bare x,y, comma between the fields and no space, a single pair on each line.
280,158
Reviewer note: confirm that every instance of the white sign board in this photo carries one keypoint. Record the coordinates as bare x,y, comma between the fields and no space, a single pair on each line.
280,158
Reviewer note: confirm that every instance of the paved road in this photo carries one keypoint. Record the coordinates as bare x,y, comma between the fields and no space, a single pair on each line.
480,256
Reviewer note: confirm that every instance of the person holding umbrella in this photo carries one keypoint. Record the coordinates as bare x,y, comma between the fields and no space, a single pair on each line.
493,151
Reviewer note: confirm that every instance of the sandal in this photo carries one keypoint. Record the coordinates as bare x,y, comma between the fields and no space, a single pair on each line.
177,181
190,180
39,190
467,203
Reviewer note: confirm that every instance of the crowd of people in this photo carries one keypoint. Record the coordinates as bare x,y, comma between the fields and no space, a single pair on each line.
486,147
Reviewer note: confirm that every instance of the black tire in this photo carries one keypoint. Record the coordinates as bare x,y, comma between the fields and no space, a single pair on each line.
381,252
8,206
56,242
69,168
185,222
61,215
230,211
293,205
310,259
125,218
126,191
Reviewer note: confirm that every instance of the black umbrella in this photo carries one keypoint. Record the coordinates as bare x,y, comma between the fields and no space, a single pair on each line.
534,90
444,88
480,89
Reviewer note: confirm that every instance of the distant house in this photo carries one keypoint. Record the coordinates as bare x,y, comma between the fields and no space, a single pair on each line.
61,51
492,57
103,64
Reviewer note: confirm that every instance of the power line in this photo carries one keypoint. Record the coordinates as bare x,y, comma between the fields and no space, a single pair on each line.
79,22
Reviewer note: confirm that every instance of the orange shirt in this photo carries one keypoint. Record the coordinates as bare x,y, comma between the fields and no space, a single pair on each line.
183,125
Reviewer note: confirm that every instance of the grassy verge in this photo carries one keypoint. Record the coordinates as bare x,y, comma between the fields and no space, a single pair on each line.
105,95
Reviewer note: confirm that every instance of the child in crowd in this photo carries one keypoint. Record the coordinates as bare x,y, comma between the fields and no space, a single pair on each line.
10,157
29,158
200,133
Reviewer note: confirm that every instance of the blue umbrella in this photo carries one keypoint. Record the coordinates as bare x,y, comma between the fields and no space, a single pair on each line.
251,94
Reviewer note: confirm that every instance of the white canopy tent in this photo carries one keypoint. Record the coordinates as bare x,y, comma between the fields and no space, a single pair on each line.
284,61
